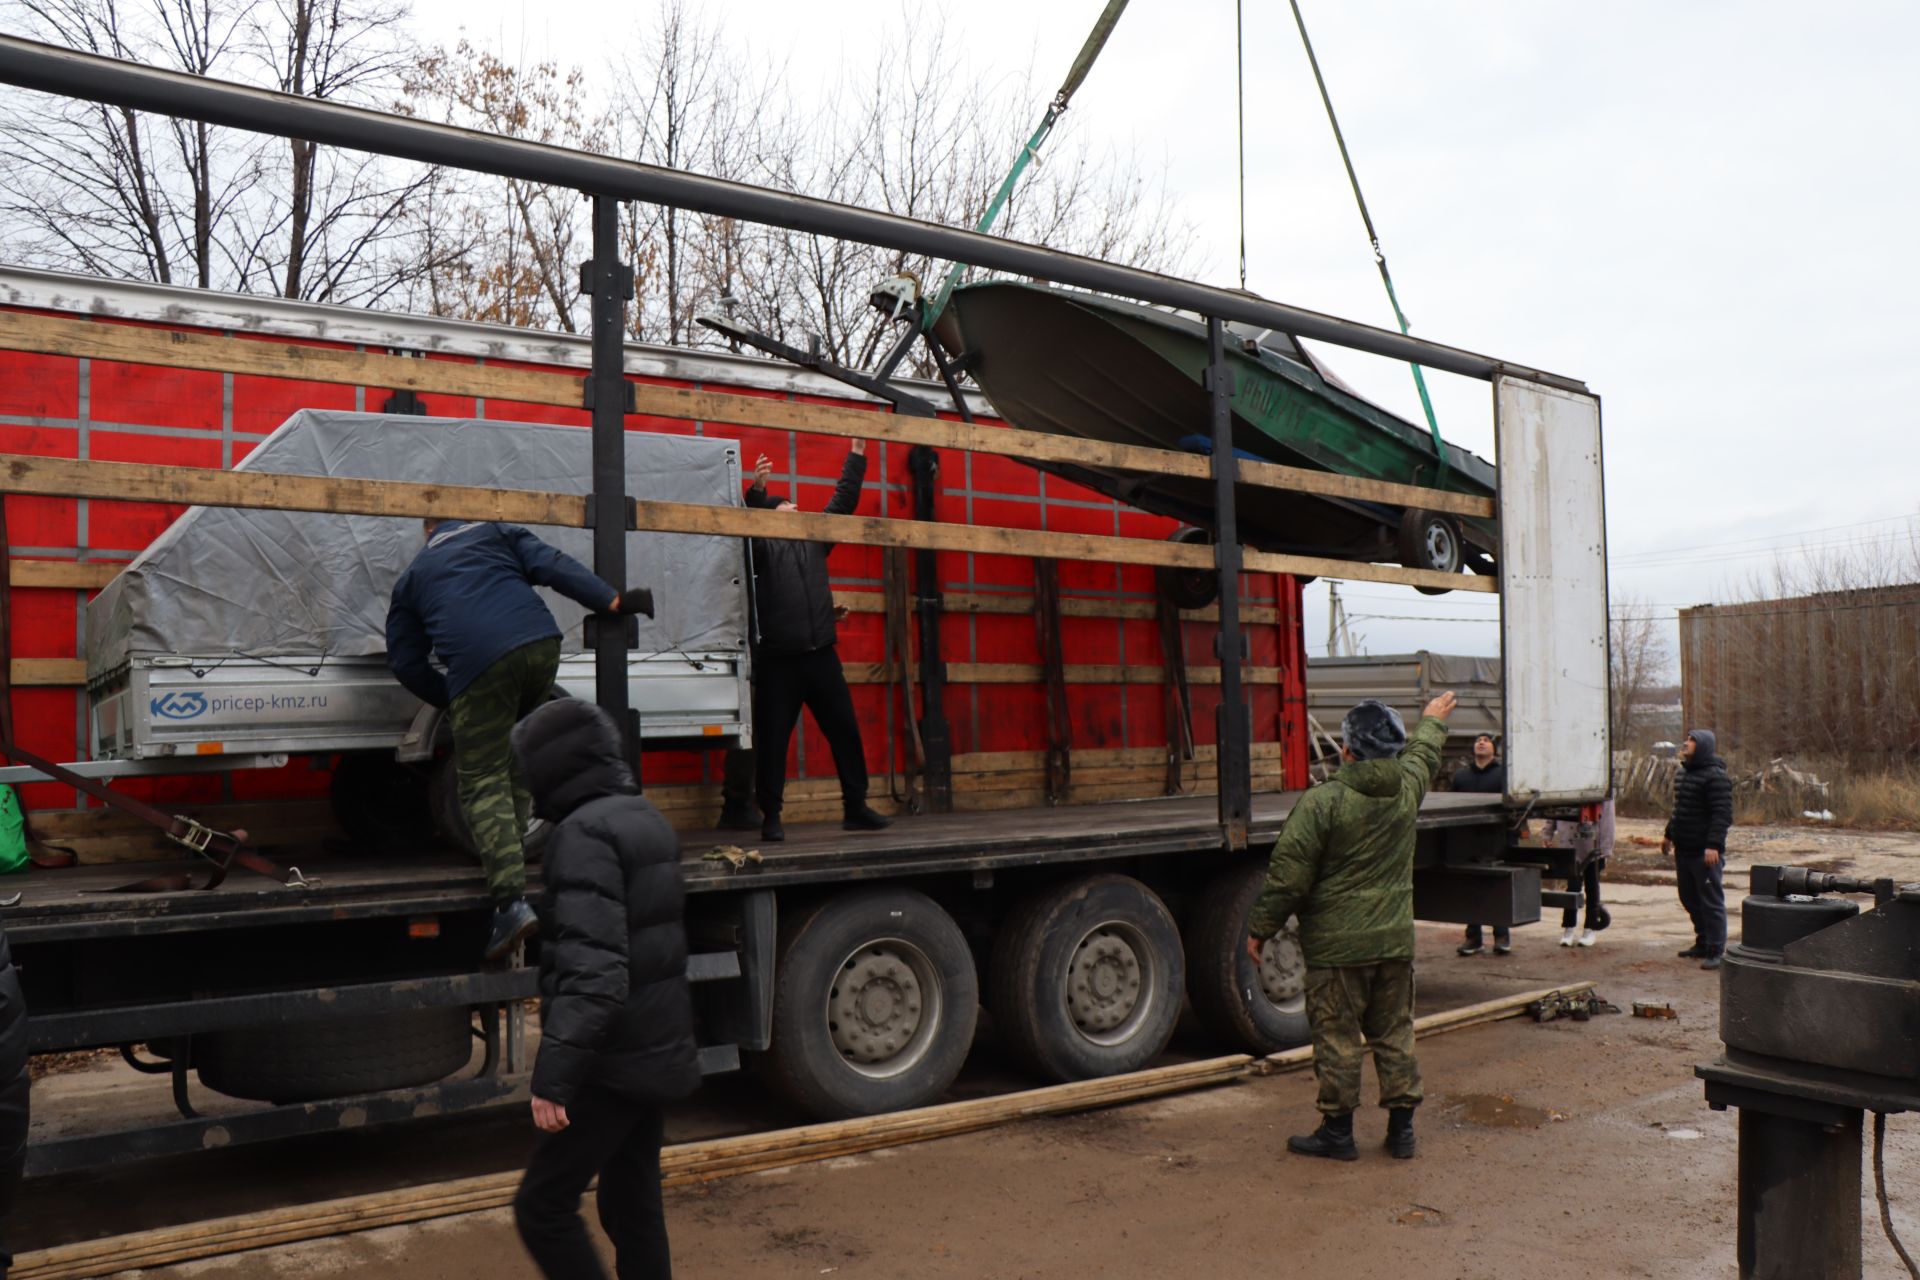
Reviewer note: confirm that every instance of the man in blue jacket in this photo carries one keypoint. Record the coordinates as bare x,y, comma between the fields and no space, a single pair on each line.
468,597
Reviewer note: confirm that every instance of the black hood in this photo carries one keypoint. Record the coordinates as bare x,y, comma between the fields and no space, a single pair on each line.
1705,749
569,753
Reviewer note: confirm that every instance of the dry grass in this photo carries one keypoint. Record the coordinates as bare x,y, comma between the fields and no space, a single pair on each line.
1866,798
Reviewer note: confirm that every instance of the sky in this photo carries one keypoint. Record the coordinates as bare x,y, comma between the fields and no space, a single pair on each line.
1703,210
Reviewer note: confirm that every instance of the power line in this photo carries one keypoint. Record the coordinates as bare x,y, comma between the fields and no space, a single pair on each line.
1781,537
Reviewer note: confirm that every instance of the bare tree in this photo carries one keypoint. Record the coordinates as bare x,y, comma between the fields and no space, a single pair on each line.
500,249
1639,662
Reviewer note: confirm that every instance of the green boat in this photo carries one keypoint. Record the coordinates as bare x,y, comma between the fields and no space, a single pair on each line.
1080,364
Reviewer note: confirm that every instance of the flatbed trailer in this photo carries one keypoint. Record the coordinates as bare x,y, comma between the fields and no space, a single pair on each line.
169,966
850,969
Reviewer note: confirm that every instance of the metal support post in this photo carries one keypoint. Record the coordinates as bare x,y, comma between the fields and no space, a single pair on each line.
609,282
1234,725
935,737
1799,1206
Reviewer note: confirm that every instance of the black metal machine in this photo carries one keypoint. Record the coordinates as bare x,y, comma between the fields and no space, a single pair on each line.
1820,1013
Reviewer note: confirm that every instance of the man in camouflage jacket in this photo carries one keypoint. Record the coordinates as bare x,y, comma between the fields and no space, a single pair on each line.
1344,866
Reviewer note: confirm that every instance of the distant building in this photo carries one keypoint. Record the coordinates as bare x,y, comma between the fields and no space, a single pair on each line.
1830,674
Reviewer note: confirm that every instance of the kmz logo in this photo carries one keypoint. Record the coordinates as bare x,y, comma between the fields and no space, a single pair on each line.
180,706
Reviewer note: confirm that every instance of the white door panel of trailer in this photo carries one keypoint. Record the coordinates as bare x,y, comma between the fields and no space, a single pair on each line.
1553,572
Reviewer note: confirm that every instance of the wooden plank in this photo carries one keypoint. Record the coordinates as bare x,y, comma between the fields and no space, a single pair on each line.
49,671
75,575
1077,673
174,349
1070,606
189,486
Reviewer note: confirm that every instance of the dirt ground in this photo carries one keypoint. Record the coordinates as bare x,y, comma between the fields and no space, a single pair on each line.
1547,1151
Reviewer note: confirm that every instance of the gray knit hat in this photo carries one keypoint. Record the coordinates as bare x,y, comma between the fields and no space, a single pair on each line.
1373,731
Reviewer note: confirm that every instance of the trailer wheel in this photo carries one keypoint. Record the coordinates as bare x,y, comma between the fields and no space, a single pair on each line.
1253,1012
1087,978
450,820
1429,540
336,1057
1189,588
379,802
874,1005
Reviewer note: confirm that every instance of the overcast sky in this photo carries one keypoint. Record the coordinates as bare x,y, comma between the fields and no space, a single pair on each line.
1704,210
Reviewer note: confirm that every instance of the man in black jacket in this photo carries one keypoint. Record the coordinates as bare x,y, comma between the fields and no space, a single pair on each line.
1697,837
1485,774
616,1019
795,663
14,1091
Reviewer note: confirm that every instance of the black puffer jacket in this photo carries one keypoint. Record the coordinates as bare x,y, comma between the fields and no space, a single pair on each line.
1702,799
615,1009
793,603
1491,780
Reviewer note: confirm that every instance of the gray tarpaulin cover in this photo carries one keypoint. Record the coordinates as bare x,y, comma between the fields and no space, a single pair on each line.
298,584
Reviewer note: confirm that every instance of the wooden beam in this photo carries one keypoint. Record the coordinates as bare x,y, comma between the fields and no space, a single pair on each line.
49,671
190,486
73,575
1070,606
98,340
1077,673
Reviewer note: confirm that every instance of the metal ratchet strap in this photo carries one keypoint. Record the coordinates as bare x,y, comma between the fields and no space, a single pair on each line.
222,850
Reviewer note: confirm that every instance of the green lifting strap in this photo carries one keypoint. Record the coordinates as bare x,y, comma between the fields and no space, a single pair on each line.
1373,238
1096,41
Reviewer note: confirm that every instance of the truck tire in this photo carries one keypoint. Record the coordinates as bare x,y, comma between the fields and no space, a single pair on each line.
336,1057
1087,978
379,802
874,1005
1429,540
1253,1013
449,820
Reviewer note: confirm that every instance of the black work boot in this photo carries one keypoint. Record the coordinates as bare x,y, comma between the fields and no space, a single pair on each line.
1697,951
742,818
513,923
858,817
770,829
1400,1133
1333,1139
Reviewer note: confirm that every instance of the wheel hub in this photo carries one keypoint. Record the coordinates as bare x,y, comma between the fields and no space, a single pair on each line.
875,1010
1104,982
1441,552
1283,968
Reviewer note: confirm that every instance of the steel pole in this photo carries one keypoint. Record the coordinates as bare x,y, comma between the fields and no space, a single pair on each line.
69,73
1233,723
609,283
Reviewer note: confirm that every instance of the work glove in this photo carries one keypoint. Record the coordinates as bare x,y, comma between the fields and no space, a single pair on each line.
635,600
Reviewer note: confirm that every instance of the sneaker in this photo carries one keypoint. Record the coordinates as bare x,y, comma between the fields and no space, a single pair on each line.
1569,936
1333,1140
1710,963
771,831
861,818
1694,952
513,924
1503,948
1470,949
1588,938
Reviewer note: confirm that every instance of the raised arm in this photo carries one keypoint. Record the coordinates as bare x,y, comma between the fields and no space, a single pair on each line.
548,566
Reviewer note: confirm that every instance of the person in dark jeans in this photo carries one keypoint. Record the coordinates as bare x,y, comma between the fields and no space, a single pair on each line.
469,597
616,1015
1595,831
1697,838
15,1092
795,662
1486,774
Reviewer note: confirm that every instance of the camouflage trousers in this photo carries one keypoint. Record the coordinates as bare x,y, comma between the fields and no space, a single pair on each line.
492,797
1350,1009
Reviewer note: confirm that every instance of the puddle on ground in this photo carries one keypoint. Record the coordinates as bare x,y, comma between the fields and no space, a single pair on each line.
1500,1111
